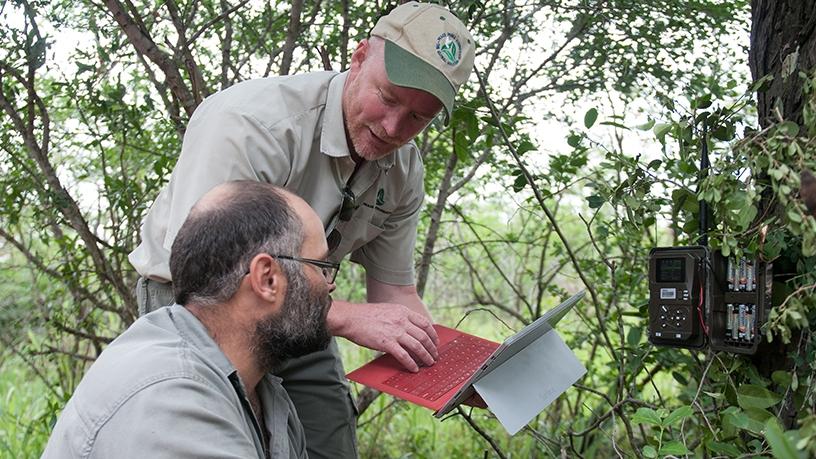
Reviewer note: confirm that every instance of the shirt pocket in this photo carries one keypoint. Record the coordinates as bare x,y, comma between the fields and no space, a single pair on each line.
355,233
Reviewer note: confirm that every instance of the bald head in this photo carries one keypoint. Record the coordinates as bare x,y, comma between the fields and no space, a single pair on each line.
225,229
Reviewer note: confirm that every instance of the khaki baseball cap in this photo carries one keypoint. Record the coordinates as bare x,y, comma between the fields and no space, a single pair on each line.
426,48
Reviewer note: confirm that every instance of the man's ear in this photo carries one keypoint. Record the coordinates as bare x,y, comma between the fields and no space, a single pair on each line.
267,280
359,54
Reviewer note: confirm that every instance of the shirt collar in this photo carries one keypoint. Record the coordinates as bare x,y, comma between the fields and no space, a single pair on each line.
333,133
197,335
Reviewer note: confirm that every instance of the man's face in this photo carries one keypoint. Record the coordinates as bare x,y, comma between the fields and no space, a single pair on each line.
299,328
379,115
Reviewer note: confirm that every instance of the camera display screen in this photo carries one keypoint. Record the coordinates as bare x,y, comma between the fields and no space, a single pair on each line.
671,270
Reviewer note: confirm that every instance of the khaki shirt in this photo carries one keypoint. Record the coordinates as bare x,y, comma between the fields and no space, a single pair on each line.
164,389
289,131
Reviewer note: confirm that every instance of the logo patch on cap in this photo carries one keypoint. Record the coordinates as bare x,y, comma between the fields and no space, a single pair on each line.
449,48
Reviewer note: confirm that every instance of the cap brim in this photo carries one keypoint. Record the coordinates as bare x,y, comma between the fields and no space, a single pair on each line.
406,70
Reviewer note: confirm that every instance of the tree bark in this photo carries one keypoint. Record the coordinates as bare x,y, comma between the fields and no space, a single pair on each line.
783,43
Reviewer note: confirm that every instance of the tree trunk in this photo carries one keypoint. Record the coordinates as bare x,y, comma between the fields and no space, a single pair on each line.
783,44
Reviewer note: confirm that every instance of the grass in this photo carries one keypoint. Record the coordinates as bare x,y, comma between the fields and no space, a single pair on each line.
25,411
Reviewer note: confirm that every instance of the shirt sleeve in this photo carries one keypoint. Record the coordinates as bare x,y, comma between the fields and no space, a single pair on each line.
176,418
389,257
221,145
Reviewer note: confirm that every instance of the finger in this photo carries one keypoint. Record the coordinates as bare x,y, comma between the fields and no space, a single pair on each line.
417,350
426,325
426,341
402,356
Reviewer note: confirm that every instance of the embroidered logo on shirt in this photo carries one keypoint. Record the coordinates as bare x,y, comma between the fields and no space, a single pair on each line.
380,197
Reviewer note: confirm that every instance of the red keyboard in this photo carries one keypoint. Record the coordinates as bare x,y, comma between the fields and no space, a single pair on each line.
458,360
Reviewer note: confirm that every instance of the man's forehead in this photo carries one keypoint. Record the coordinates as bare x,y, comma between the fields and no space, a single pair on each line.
420,101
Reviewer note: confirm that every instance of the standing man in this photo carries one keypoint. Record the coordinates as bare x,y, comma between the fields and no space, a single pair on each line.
343,142
192,380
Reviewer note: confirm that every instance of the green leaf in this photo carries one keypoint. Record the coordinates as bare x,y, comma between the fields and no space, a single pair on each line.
754,420
37,53
614,124
674,448
788,128
520,183
743,422
677,415
752,396
714,395
762,84
660,131
595,201
574,140
646,126
781,446
82,68
680,378
646,416
723,449
634,335
590,117
525,146
782,378
649,451
702,101
724,133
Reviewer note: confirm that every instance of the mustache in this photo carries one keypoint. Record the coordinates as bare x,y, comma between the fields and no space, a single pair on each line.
384,137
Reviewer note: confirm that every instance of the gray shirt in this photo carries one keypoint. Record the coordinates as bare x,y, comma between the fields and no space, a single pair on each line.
164,389
289,131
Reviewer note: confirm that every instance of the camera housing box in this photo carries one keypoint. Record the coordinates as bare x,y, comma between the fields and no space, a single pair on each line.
698,298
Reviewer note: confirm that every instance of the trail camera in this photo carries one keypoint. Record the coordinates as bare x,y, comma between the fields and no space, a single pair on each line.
698,298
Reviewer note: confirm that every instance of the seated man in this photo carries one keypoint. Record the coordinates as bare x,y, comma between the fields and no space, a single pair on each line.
192,379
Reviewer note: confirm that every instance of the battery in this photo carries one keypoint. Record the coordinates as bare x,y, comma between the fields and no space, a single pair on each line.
743,280
749,322
729,321
742,322
750,286
730,271
734,321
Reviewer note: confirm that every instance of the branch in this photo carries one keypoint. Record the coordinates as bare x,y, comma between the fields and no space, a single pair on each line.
366,398
224,15
144,44
59,195
540,198
292,32
436,217
79,292
53,350
481,432
9,345
182,50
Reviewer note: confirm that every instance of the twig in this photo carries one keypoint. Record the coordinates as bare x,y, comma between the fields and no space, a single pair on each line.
481,432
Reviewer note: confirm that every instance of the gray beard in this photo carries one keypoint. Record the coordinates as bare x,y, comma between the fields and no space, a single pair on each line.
299,328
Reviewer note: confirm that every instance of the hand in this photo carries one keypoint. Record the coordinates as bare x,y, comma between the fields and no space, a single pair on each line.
388,327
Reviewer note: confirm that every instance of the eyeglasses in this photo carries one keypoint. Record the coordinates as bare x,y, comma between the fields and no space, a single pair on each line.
328,268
